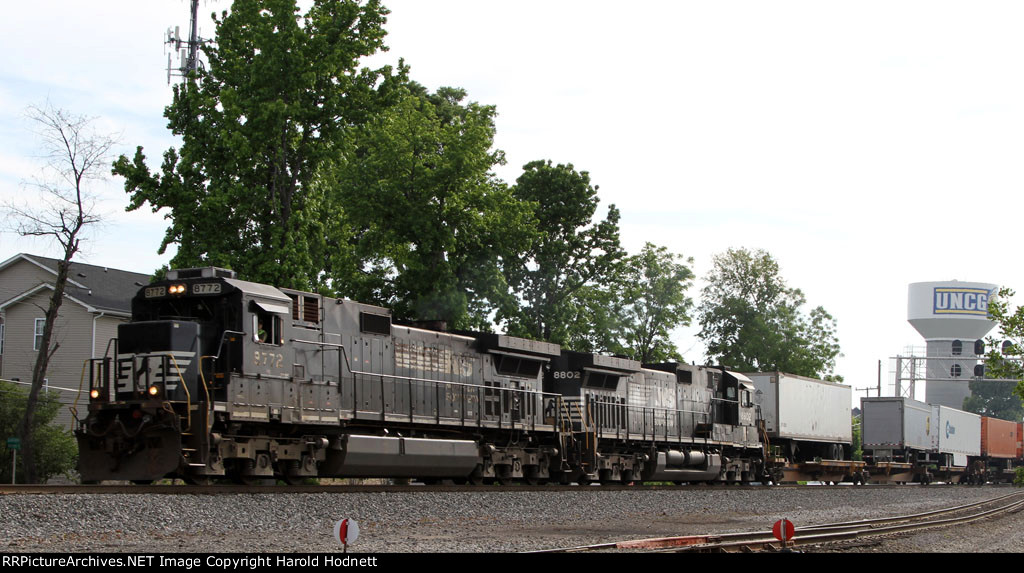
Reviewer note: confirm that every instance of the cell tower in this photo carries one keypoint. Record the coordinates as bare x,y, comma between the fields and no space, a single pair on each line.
187,50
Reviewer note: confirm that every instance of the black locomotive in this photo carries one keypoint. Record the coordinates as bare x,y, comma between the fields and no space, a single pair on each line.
215,377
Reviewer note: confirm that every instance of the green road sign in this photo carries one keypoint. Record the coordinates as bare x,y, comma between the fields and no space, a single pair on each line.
13,443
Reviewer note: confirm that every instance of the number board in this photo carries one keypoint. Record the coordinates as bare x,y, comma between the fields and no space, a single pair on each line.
154,292
206,288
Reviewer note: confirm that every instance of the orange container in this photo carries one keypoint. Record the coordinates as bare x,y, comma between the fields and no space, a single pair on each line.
1020,440
999,438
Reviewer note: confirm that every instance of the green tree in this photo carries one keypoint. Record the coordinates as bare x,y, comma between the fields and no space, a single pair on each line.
570,252
652,302
427,222
259,125
55,451
995,399
751,321
857,444
1004,358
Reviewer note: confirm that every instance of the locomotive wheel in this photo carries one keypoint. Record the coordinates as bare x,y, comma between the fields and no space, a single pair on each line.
627,477
198,480
503,474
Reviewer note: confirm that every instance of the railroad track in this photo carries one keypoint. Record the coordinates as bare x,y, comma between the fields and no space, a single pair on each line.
815,534
224,489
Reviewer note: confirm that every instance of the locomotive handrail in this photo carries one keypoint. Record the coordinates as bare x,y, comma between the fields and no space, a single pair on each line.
220,347
188,395
73,408
412,378
106,351
202,377
223,336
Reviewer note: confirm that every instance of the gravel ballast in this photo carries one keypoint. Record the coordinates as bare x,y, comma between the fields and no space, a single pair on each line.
448,521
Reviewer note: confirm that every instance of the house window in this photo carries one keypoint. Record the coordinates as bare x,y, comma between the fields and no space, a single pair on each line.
38,340
1,338
955,371
958,348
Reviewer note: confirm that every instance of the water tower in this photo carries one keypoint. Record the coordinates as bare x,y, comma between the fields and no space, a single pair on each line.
952,317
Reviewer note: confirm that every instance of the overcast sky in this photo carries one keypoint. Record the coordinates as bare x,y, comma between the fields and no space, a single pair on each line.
865,145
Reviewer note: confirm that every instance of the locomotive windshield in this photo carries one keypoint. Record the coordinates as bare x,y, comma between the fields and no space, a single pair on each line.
198,310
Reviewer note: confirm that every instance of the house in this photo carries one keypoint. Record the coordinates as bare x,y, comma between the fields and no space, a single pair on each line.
96,300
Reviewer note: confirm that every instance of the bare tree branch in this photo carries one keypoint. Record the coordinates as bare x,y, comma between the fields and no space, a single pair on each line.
75,154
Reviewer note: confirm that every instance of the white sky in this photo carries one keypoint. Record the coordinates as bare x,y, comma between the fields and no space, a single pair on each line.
865,145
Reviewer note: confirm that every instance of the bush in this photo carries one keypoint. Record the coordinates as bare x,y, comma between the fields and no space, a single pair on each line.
1018,479
56,451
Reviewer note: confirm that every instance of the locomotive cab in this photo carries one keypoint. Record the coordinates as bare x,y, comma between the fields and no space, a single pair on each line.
143,398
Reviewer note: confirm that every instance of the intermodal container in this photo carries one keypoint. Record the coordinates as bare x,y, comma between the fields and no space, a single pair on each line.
896,423
802,408
999,438
1020,441
957,433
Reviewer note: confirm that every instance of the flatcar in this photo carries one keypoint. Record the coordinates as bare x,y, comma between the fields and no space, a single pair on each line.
926,442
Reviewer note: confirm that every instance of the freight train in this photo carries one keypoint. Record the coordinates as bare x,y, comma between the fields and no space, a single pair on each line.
924,442
220,378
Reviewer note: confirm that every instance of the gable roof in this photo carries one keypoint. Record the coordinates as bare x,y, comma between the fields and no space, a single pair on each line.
95,287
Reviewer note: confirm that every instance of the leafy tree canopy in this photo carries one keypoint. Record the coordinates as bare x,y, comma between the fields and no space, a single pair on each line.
995,399
569,252
55,451
258,126
646,302
1004,361
426,220
752,321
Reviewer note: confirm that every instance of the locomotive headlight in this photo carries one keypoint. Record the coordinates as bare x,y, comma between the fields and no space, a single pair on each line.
94,393
153,390
176,289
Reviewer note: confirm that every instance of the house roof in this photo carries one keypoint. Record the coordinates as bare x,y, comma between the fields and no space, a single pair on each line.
99,288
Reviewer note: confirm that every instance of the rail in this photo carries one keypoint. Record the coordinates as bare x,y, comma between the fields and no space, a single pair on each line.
814,534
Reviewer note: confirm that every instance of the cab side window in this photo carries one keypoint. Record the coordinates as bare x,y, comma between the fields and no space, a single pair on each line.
266,328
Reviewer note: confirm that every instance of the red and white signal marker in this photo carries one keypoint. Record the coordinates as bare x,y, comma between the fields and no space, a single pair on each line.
346,531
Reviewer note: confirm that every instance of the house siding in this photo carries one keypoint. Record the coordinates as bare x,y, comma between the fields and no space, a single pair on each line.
81,334
73,333
22,276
